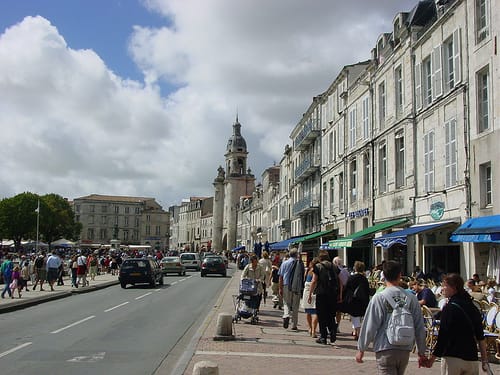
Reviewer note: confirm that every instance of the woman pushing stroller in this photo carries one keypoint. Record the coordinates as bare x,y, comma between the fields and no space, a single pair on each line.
254,270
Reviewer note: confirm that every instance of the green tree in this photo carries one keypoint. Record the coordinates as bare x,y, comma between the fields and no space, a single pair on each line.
57,219
18,217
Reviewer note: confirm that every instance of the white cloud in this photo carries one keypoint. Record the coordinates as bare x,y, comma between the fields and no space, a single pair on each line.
73,127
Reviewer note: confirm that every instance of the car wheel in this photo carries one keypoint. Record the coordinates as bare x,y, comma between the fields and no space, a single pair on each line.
123,285
202,274
180,273
224,274
161,280
152,283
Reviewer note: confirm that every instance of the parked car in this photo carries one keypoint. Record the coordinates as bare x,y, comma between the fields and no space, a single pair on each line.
172,265
140,271
213,265
191,261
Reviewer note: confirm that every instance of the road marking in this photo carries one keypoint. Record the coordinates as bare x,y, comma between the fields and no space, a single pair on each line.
144,295
73,324
115,307
282,355
175,282
88,358
14,349
157,290
181,280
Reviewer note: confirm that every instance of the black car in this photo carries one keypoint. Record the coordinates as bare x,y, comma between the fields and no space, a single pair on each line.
140,271
213,264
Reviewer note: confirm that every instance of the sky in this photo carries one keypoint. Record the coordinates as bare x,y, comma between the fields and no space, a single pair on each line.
138,97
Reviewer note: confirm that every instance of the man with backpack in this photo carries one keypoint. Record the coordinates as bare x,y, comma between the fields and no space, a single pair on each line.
393,322
328,289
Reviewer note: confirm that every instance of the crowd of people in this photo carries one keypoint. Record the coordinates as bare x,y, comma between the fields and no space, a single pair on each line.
388,319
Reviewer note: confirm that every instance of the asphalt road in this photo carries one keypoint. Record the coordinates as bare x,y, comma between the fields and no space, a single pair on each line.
110,331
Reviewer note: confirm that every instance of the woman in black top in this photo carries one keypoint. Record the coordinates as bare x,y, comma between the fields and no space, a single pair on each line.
356,296
460,331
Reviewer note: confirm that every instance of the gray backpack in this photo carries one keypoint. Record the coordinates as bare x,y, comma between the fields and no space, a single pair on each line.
400,329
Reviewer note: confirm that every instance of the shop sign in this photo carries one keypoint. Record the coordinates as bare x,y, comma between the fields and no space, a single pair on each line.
358,213
437,210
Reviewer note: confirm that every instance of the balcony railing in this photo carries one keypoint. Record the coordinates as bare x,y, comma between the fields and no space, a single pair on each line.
305,205
306,168
307,135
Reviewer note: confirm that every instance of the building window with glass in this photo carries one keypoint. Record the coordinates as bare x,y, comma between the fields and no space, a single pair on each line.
127,210
104,220
137,210
366,118
330,147
398,80
125,221
104,208
427,81
92,208
485,184
332,192
117,209
429,161
451,153
448,64
148,230
399,144
352,128
353,180
382,105
366,176
102,234
325,198
91,219
90,233
483,100
382,168
148,218
341,192
482,20
136,224
158,230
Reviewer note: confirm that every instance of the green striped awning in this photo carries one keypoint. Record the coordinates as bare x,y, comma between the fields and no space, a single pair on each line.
348,240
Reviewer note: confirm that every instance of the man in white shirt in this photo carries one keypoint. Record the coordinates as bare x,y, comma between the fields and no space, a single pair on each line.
81,271
53,263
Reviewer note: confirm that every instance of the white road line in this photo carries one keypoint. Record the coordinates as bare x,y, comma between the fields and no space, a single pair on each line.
115,307
14,349
73,324
157,290
181,280
175,282
144,295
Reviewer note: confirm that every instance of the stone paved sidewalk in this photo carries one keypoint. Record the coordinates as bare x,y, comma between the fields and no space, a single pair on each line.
269,348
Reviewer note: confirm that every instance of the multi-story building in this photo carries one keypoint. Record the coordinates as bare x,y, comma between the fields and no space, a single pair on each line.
131,220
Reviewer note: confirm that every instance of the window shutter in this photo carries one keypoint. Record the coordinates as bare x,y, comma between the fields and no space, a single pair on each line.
438,72
418,86
456,56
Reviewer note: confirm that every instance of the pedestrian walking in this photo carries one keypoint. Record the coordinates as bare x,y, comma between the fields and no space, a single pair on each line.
25,274
53,264
310,307
6,269
393,343
255,271
460,332
81,271
74,271
326,284
291,286
40,271
343,277
356,297
17,282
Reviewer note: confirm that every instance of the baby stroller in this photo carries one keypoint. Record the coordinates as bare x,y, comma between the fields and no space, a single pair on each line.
246,303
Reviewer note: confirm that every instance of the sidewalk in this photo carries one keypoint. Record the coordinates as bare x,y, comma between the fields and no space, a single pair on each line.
269,348
34,297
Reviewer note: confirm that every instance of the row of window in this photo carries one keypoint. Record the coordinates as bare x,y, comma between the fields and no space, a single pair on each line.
127,235
104,209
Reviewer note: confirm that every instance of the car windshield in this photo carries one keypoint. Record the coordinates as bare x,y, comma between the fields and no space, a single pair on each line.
187,256
214,259
171,259
131,264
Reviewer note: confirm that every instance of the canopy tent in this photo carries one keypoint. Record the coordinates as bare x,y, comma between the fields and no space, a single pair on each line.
479,229
30,244
283,245
63,242
363,234
238,248
401,236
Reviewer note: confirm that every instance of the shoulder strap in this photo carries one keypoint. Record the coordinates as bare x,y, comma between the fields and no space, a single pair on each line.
466,316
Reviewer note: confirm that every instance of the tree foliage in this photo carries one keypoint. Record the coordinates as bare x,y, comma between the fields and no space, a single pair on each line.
18,218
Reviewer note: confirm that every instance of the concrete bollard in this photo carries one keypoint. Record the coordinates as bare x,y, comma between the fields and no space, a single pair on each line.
224,327
205,368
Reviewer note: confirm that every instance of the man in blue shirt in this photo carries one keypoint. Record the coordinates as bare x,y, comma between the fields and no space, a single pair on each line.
6,270
291,298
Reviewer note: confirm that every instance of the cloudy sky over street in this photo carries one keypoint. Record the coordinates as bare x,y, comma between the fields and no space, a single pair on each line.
138,97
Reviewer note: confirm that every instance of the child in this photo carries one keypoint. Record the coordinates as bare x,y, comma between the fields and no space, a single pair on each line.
17,282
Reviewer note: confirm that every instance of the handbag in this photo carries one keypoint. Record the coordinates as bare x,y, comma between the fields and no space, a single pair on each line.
13,284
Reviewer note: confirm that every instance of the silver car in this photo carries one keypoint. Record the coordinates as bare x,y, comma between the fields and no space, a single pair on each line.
172,265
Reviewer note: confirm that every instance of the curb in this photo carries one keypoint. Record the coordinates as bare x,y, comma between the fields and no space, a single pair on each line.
22,304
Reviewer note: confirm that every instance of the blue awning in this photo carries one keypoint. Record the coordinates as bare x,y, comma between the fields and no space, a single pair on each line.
400,236
283,245
479,229
238,248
